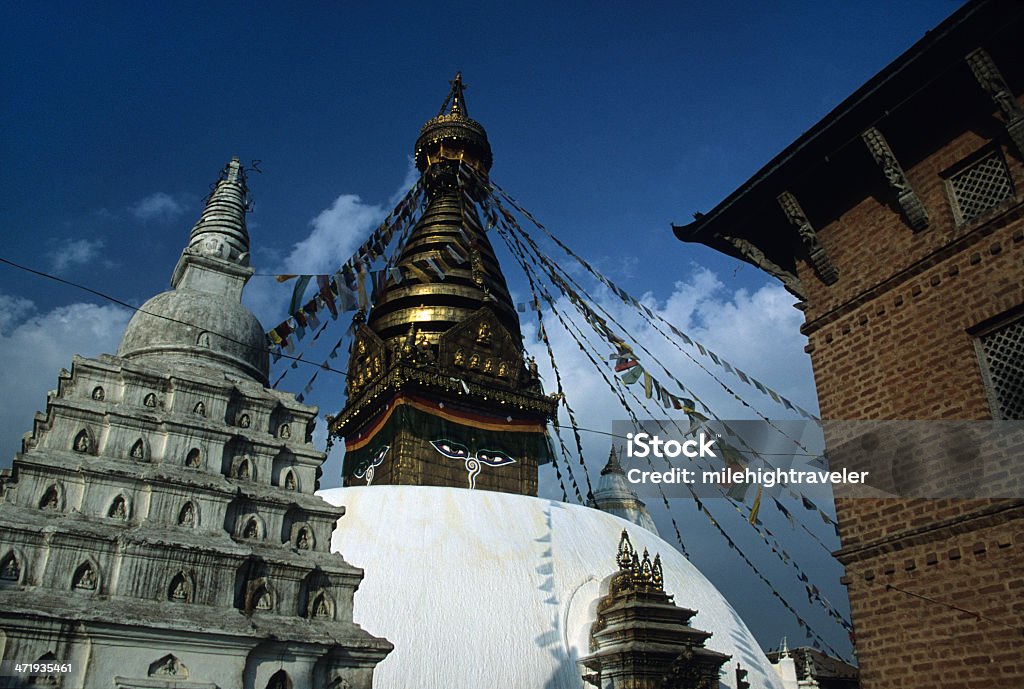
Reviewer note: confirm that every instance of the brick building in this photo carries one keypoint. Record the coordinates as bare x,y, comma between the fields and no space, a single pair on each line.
897,221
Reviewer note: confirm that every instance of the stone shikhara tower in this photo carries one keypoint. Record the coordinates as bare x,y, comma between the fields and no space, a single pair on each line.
159,527
439,391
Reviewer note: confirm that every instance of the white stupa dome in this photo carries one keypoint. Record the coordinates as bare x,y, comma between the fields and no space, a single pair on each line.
487,589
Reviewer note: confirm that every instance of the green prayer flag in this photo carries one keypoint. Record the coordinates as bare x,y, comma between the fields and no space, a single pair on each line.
632,375
298,292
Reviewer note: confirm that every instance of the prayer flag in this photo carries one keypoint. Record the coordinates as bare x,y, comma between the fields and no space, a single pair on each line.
757,506
327,294
435,267
415,270
364,301
298,291
632,375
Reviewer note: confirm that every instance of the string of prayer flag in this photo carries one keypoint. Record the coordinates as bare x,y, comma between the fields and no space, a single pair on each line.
654,389
622,294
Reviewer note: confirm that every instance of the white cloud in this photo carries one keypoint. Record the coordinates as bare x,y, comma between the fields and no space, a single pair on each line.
335,234
37,348
157,206
339,230
411,177
12,310
75,253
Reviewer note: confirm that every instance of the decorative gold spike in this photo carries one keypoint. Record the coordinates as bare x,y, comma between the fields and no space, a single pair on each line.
657,575
455,98
646,572
625,554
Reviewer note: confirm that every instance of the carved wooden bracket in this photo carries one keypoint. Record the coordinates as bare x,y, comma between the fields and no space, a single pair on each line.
910,202
756,257
816,252
988,75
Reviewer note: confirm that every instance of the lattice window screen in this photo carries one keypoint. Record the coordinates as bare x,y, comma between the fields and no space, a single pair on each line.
1002,352
983,185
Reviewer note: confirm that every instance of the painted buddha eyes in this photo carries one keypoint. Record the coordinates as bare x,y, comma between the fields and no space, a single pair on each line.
450,449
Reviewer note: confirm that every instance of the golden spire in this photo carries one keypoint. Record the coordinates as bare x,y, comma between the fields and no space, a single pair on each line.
448,264
456,97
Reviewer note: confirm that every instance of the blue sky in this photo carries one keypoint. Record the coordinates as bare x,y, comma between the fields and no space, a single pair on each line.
607,121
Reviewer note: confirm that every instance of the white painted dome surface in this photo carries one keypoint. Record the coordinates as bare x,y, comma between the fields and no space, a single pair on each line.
486,589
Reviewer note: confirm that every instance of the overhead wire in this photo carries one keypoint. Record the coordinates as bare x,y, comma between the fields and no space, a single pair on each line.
138,309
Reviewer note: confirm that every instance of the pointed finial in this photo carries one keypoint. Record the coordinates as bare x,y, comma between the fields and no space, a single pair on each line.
456,98
613,466
233,170
784,653
220,231
452,137
625,555
646,571
809,669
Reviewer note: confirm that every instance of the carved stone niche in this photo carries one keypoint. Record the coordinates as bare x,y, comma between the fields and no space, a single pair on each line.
481,348
168,666
166,673
368,360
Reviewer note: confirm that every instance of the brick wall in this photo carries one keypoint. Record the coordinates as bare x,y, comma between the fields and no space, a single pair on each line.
892,339
903,640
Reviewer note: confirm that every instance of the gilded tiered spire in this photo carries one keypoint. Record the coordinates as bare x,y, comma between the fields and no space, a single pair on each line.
449,236
439,391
